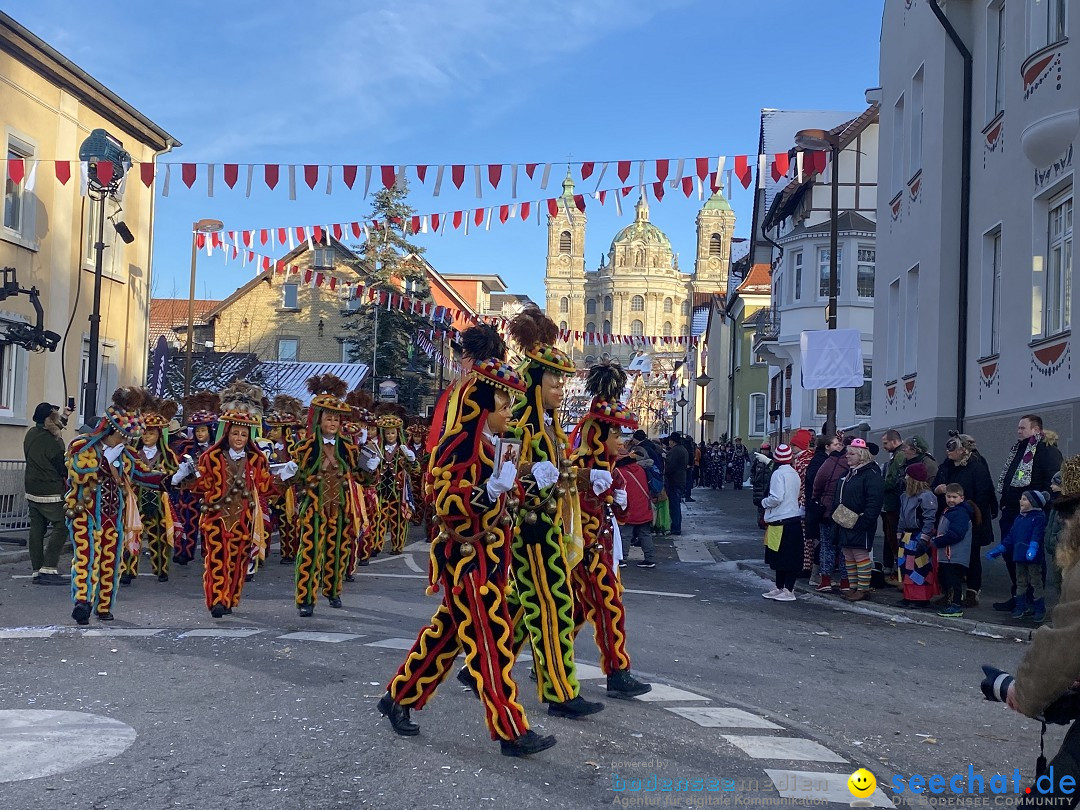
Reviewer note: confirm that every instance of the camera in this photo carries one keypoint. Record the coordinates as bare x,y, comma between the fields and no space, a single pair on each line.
995,686
1062,711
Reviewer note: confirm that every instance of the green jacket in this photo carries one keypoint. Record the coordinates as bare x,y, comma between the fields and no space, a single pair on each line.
44,451
894,482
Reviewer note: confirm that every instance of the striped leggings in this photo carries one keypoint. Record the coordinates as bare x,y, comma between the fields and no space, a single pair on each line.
859,566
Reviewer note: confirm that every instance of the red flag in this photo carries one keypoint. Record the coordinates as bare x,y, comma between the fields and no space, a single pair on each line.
504,213
319,278
348,174
16,170
270,173
63,171
661,170
553,206
457,219
282,236
658,190
702,167
530,168
626,190
232,172
579,202
188,171
389,175
105,172
624,169
714,182
421,173
246,236
780,166
526,207
356,231
587,170
339,232
819,159
266,263
495,174
478,216
333,282
434,222
457,174
200,240
307,276
317,232
311,175
215,239
301,236
742,171
416,224
264,236
688,185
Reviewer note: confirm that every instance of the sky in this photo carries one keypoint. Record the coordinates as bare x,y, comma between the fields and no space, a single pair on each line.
455,81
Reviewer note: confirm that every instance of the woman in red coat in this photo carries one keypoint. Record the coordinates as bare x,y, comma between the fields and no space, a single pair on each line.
637,518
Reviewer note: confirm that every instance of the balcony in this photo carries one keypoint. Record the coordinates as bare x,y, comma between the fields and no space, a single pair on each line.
766,327
1048,125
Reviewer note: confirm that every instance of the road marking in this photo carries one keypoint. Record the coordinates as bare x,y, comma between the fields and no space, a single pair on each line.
119,632
587,672
721,717
332,638
39,743
693,551
820,787
29,632
661,593
410,563
793,748
398,576
220,633
661,692
392,643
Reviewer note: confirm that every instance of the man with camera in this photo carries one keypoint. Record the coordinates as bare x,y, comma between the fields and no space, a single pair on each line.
46,482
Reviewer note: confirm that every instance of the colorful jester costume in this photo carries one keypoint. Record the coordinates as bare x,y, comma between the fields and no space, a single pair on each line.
361,428
547,542
596,584
283,423
395,482
200,419
232,481
468,564
329,516
155,508
100,505
416,441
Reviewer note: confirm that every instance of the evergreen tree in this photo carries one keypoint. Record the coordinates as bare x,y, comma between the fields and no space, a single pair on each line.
390,263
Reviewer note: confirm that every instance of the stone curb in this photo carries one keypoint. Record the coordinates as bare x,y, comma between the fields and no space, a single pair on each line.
11,557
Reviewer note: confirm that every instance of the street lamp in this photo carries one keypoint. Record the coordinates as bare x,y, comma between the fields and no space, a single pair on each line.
703,380
202,226
819,139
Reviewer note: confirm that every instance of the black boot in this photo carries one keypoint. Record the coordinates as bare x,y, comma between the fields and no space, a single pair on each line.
528,743
81,613
105,617
350,578
162,577
578,707
398,716
307,609
335,601
363,562
286,561
621,684
125,579
466,679
217,611
228,611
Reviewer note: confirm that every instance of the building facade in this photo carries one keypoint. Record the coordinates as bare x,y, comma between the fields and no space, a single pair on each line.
1012,352
748,373
48,107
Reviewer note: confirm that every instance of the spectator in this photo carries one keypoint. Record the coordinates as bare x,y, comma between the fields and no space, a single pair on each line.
675,479
1025,545
965,465
918,510
691,467
890,508
861,491
954,543
638,516
1033,461
812,507
828,476
736,464
46,482
783,514
642,440
800,446
916,449
761,469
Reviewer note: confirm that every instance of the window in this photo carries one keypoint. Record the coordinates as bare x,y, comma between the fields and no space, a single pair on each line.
991,293
685,307
821,402
995,41
287,349
637,304
669,305
716,245
916,123
17,207
346,352
757,414
564,304
911,322
1055,20
289,296
796,275
590,306
353,304
1059,266
864,273
667,328
824,258
607,327
566,242
9,368
1047,23
324,257
898,178
607,303
864,393
590,326
637,328
892,359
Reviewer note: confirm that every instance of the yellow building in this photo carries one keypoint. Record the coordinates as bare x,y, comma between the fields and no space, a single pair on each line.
48,107
639,288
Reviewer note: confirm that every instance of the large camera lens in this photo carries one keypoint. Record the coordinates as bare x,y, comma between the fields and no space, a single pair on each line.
995,686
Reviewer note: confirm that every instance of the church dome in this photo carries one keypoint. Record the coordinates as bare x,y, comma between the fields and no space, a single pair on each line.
641,230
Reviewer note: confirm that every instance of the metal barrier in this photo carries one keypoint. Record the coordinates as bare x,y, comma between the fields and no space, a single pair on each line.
14,511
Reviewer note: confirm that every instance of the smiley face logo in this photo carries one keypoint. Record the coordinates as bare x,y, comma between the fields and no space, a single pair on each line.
862,783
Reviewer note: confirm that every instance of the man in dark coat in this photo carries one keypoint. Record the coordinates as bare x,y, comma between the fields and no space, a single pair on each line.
678,460
46,483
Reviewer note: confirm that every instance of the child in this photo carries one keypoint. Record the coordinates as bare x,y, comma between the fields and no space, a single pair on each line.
915,527
1025,543
953,541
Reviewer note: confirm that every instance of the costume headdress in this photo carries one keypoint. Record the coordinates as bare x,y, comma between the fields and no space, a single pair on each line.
535,333
499,375
285,411
159,413
606,382
201,409
124,415
389,416
328,394
242,404
483,341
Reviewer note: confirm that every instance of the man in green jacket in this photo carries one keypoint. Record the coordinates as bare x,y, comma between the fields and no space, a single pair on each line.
890,507
46,477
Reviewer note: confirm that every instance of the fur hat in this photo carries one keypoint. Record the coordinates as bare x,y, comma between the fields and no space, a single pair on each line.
328,393
158,413
242,404
202,409
535,334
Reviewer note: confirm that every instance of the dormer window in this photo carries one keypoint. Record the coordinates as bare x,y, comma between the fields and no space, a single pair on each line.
324,257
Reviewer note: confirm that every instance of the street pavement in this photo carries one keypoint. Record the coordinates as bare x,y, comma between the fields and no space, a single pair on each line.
753,700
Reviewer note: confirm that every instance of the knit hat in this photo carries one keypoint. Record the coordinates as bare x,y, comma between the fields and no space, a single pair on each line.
765,445
783,454
801,439
42,411
917,471
859,443
1036,498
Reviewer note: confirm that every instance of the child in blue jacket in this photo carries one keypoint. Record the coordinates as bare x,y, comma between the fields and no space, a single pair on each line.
1025,543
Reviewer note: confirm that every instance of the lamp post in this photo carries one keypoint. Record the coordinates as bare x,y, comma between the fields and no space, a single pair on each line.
202,226
819,139
682,403
703,380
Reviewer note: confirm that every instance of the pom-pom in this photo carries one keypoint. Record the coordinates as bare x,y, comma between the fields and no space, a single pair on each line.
392,409
531,328
606,379
482,342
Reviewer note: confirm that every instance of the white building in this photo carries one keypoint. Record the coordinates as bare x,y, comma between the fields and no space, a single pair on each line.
798,221
1018,293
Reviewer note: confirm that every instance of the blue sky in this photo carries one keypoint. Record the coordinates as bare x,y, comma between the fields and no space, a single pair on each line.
456,81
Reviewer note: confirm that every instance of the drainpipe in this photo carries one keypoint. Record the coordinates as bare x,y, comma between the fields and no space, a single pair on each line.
965,219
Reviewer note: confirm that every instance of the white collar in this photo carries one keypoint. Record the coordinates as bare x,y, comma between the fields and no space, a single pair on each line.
149,452
549,420
329,441
390,448
236,455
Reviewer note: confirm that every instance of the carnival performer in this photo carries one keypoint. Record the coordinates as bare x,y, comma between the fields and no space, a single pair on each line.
200,419
232,476
155,508
360,427
283,423
329,516
100,505
602,490
469,565
416,433
395,490
548,539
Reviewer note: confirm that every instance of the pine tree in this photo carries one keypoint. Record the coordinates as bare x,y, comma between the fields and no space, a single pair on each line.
390,263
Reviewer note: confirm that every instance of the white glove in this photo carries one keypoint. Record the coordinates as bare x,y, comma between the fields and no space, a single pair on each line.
620,498
503,483
287,471
372,463
113,453
363,436
185,469
600,480
545,474
409,454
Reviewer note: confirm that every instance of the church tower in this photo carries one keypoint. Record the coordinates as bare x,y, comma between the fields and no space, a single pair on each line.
564,278
715,225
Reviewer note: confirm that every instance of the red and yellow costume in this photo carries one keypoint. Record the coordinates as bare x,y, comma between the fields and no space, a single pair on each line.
361,429
200,417
394,484
284,423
